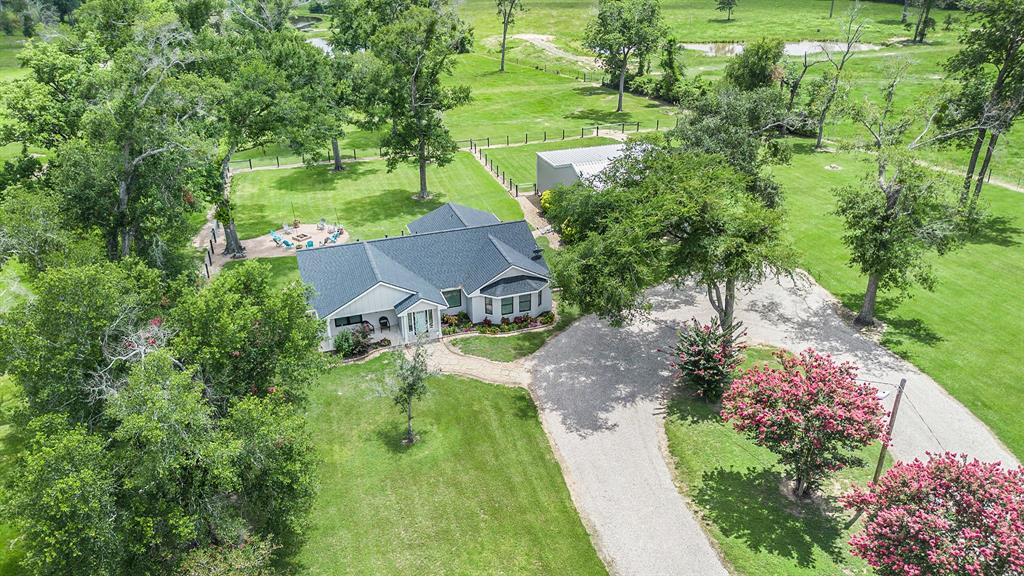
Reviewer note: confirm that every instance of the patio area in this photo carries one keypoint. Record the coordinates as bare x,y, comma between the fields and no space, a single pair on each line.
301,237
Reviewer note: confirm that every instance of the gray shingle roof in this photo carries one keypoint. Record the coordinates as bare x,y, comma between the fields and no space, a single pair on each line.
423,264
513,285
450,216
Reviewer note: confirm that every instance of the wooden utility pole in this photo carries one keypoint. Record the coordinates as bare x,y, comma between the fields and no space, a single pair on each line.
888,429
885,444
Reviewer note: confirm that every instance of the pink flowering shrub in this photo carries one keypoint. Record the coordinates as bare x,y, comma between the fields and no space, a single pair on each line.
944,516
812,413
706,357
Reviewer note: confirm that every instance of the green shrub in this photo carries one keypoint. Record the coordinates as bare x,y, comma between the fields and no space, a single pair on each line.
350,343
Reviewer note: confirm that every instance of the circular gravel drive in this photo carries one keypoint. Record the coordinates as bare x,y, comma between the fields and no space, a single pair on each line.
600,391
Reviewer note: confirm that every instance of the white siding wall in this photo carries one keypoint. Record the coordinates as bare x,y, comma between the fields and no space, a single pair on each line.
376,302
479,307
434,332
549,176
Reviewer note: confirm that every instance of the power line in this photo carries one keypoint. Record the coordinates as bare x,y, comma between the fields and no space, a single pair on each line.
926,425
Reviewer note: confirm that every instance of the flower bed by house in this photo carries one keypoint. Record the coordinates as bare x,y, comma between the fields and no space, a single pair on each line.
460,324
351,344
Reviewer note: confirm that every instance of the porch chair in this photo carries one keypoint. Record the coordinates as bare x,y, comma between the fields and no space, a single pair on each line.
309,243
287,244
275,237
321,224
287,229
385,324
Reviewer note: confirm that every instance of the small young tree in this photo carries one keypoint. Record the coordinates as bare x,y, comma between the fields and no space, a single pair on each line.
706,357
410,385
812,413
944,516
507,10
726,6
621,30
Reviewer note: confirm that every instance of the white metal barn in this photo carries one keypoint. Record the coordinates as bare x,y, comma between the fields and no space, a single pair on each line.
567,166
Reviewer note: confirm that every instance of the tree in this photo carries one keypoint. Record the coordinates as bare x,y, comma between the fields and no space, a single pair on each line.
793,79
706,357
947,515
757,66
726,6
54,344
812,413
666,215
412,55
410,385
246,336
507,10
853,30
893,219
990,71
621,30
61,499
924,20
355,22
742,126
253,557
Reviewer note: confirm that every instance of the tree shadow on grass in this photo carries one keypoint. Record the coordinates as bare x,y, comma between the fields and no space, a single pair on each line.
689,409
392,434
524,408
900,327
322,178
998,230
748,505
599,116
395,204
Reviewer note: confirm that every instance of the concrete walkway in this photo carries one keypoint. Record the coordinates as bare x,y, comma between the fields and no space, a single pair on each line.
442,357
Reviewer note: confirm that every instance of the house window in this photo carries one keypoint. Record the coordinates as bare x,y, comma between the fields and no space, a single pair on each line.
348,320
488,306
453,298
525,302
540,298
506,305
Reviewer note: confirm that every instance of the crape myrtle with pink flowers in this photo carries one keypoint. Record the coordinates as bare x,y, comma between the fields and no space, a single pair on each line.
812,413
948,515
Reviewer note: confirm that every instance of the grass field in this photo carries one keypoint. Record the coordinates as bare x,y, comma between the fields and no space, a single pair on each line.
698,20
480,493
735,486
365,197
965,332
520,162
509,348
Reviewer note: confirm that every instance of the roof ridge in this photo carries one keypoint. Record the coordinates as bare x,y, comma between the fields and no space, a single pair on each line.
372,260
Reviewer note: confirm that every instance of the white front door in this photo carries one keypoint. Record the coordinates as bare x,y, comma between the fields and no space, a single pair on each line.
420,322
420,319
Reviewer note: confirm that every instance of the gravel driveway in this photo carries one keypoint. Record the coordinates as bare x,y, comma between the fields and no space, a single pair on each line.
600,393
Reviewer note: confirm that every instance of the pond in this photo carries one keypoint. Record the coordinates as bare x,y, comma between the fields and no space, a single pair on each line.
302,22
790,48
321,44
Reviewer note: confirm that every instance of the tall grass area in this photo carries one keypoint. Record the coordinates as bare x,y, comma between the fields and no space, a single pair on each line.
365,198
480,493
965,333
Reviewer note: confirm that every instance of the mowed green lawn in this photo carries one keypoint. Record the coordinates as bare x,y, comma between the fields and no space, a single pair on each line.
283,269
735,486
480,493
365,198
509,348
967,333
520,162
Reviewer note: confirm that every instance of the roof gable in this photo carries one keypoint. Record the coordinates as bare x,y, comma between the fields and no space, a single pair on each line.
449,217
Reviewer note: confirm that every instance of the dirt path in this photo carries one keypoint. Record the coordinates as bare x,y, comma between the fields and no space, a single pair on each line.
544,42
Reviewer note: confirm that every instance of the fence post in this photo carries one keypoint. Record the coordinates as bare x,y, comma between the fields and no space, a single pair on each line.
657,124
207,270
209,257
506,139
517,190
380,150
623,127
488,141
471,147
638,126
278,158
353,153
211,244
677,121
534,187
597,130
527,140
563,133
250,163
581,132
545,135
214,230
